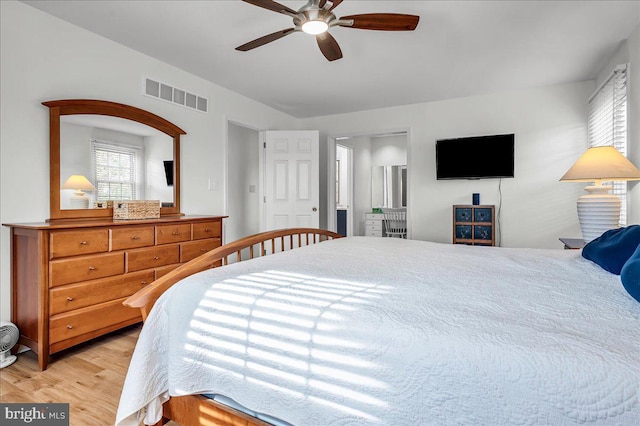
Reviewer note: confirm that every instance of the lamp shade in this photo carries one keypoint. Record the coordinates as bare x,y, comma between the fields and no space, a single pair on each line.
602,163
78,182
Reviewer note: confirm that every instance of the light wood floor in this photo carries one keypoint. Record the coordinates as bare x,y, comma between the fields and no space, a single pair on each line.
89,377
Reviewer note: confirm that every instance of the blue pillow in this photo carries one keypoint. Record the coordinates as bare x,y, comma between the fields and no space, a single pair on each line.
630,275
612,249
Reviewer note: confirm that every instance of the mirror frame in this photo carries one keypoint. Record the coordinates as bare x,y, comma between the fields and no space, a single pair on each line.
59,108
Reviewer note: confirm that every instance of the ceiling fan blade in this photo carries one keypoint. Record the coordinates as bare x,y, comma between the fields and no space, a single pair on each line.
271,5
334,4
383,21
265,39
329,46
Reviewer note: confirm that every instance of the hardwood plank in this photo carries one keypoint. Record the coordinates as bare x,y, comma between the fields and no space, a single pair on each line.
89,377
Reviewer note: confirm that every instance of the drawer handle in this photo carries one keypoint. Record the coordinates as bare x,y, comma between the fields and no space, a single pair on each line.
70,299
83,243
203,250
92,268
207,230
69,326
135,238
143,282
175,233
156,258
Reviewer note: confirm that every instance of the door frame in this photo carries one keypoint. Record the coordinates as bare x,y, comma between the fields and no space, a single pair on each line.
350,189
331,172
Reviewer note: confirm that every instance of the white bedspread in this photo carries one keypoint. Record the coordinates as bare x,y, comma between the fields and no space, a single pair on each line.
375,331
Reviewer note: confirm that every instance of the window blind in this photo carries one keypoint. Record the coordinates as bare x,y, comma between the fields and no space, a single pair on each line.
608,124
115,170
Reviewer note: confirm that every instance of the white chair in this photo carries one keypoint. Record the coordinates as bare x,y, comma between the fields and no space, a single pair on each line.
395,223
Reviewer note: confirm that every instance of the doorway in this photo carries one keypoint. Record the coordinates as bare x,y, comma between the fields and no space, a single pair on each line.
344,190
387,150
242,182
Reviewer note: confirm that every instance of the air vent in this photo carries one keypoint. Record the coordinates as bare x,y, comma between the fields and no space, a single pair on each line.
168,93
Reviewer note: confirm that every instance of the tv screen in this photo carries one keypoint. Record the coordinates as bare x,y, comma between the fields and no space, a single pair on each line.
477,157
168,171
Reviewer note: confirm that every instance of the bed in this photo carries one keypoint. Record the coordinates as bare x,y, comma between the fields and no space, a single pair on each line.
383,331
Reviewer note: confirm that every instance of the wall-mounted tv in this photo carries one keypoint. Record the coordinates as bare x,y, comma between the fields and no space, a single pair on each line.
168,171
477,157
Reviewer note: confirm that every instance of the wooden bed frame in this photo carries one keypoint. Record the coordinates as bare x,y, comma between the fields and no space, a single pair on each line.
196,409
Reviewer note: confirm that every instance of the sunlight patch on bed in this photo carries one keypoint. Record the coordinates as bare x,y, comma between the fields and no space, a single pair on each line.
218,356
280,331
279,359
284,307
341,359
274,329
279,344
277,388
346,376
285,319
295,378
346,392
226,307
344,408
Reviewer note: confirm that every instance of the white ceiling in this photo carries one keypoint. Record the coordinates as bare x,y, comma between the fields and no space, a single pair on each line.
460,48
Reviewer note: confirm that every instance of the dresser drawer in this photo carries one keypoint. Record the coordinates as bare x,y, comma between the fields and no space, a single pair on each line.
482,215
193,249
463,214
207,230
75,296
173,233
372,233
373,225
132,237
164,270
87,320
73,243
84,268
147,258
482,232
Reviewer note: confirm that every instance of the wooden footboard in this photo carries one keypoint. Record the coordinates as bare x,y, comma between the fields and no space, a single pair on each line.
257,245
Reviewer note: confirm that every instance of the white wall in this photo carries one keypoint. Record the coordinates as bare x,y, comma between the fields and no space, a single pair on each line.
45,58
389,150
550,128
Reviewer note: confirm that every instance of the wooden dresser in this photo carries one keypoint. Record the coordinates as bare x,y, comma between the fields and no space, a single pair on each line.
69,278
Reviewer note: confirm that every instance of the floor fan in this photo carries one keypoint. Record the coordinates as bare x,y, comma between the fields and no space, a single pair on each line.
8,338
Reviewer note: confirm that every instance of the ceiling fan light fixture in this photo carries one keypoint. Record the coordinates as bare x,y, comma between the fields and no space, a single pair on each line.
315,27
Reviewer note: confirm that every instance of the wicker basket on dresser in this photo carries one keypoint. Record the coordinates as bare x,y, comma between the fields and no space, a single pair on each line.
69,278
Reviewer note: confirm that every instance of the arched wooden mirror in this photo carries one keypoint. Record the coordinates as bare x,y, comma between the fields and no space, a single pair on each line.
124,152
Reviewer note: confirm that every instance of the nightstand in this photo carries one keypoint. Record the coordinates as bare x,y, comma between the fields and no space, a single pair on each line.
573,243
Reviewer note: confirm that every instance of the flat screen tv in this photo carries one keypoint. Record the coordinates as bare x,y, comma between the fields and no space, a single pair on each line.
168,171
477,157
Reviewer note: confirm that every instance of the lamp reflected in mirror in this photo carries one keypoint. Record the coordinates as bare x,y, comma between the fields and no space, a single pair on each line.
79,183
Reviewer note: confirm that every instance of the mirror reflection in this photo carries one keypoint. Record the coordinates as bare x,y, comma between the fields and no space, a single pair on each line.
388,186
104,158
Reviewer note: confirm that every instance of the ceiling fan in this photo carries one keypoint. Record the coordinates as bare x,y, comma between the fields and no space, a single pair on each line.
317,17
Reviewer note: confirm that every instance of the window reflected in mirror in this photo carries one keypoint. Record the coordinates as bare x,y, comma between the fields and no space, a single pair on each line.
122,159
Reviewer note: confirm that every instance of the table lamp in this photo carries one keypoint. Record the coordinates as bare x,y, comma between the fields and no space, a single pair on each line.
78,182
599,211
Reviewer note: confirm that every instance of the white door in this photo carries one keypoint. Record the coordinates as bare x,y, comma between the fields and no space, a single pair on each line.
291,179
